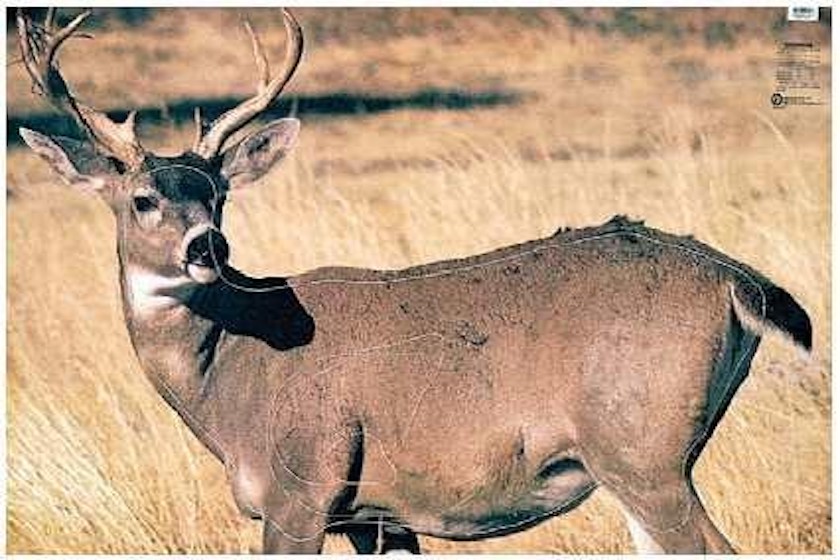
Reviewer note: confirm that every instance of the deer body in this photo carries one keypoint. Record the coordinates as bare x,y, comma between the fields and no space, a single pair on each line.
463,399
483,394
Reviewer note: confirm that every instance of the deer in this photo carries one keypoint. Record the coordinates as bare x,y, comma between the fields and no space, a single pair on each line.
464,399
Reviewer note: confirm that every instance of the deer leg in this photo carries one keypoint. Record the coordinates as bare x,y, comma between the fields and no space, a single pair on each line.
671,519
363,539
716,542
375,538
400,539
287,537
664,513
289,527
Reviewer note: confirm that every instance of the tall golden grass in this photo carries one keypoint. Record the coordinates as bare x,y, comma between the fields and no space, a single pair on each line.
98,463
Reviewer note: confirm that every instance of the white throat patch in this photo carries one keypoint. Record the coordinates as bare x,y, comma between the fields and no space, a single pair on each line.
151,293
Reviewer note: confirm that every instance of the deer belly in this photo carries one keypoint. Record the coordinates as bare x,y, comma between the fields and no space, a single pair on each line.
509,497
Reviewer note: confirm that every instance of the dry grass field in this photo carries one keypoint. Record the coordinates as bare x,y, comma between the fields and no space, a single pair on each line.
661,114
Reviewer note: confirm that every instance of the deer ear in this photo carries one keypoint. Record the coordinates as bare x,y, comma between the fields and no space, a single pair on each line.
71,159
254,156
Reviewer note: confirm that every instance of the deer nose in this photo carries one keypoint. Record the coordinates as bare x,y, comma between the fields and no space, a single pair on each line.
208,249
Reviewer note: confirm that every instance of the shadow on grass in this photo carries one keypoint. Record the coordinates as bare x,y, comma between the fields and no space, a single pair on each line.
325,106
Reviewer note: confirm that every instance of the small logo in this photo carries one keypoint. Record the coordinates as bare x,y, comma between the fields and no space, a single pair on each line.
803,13
777,100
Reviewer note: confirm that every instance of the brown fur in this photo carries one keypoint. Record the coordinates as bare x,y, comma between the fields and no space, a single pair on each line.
439,394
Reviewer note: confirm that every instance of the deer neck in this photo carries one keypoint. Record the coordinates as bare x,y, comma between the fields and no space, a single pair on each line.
177,327
173,344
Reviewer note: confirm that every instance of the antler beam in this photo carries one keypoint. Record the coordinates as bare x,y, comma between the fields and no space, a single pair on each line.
209,144
39,45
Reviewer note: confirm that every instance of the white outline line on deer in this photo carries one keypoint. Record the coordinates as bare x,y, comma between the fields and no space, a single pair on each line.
598,357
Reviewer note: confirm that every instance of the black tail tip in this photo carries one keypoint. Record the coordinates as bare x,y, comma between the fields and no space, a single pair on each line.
785,313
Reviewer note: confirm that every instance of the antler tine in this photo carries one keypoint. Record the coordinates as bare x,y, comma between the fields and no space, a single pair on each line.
38,64
39,46
259,57
200,125
49,19
63,34
268,89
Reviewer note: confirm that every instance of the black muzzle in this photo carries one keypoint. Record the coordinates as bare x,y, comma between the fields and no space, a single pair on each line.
209,249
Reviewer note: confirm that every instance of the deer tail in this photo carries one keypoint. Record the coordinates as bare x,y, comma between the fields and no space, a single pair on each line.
760,304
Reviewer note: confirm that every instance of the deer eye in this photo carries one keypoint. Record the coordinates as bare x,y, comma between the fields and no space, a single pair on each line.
144,203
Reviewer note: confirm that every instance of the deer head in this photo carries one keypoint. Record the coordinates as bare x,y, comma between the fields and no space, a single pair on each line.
168,209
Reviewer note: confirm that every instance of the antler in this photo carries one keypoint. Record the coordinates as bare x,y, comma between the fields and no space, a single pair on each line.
208,144
39,45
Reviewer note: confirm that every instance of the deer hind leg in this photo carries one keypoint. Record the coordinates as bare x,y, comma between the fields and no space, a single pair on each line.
670,519
664,513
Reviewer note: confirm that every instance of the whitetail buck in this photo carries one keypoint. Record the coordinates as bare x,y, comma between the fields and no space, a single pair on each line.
463,399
